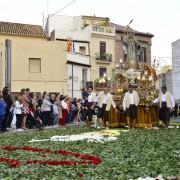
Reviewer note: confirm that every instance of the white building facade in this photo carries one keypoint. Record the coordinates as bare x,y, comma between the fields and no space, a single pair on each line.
173,77
68,28
92,48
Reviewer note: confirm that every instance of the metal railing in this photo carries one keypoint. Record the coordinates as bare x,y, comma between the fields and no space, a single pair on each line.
104,30
107,57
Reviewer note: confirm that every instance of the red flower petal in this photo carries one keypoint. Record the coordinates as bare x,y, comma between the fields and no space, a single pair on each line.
11,162
88,159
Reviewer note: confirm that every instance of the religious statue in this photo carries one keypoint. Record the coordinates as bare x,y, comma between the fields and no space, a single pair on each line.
132,50
131,44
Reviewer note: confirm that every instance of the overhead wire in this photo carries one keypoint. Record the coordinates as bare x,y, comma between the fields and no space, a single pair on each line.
67,5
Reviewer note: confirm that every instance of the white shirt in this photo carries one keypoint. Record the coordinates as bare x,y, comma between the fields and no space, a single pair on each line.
18,108
163,98
55,109
106,99
63,104
90,98
131,98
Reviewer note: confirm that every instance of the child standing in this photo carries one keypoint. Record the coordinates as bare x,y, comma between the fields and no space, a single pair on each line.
18,112
55,113
2,110
38,118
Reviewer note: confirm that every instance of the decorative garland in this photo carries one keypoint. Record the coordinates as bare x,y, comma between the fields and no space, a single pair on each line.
85,159
12,162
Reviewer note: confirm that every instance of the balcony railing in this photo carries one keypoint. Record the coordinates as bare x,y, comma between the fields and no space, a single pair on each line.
104,30
104,58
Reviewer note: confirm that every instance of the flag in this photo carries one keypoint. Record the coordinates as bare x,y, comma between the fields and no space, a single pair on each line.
69,45
73,47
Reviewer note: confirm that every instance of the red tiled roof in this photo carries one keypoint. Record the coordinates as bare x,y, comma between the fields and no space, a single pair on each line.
123,29
18,29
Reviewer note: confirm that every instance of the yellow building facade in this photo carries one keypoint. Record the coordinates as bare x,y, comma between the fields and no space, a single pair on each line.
36,63
102,46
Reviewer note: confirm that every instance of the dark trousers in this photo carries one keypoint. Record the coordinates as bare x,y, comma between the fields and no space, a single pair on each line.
46,117
10,118
1,120
19,118
164,114
131,112
4,122
102,113
90,112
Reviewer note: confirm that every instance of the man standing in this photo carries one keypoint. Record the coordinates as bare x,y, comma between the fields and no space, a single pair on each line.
130,103
167,104
105,101
91,101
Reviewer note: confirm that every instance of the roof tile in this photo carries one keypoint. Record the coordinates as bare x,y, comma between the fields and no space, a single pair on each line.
21,29
123,29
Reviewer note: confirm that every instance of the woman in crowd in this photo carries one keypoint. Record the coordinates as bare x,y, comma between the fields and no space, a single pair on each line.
59,108
70,111
39,99
18,112
75,111
55,113
34,100
52,100
25,102
46,110
64,105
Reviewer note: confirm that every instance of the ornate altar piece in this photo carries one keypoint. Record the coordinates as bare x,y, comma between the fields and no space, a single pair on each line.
142,77
144,84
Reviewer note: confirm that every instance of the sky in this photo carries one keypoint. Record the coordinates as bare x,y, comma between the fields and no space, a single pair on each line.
158,17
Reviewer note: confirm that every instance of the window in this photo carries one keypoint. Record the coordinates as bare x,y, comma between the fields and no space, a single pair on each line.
125,52
82,50
102,50
34,65
84,77
142,55
102,71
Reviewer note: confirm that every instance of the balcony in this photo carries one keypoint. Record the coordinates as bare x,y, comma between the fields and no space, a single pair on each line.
103,58
77,58
74,35
110,31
